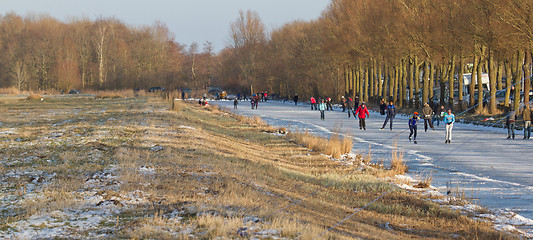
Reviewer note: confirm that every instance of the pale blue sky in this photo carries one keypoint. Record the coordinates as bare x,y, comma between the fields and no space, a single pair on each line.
190,20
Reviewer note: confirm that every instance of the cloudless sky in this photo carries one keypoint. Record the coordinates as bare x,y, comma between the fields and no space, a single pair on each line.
189,20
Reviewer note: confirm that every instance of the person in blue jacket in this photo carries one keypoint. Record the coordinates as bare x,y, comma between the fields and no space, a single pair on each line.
412,126
449,119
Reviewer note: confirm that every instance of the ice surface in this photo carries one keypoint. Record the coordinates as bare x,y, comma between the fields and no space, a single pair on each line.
497,173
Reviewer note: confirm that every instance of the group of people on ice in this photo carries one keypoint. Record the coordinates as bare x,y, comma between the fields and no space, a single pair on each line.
255,99
430,116
322,105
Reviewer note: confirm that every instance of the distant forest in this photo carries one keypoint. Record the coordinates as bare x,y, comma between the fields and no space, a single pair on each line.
372,49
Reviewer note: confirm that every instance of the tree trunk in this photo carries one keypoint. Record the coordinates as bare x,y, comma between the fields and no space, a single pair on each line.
442,86
355,82
492,79
508,82
366,84
416,79
431,79
499,77
386,81
394,85
527,76
361,81
471,87
346,82
101,57
370,81
380,81
518,78
403,75
411,82
479,86
451,85
460,81
425,83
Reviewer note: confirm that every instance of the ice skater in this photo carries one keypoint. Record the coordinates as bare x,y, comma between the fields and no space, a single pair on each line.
349,107
449,119
391,113
511,119
427,111
322,107
343,104
413,126
362,113
526,115
328,104
313,103
235,103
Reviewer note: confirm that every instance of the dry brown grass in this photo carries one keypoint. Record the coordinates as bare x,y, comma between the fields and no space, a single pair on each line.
10,90
207,166
35,97
398,167
112,94
335,146
253,120
425,180
177,105
53,199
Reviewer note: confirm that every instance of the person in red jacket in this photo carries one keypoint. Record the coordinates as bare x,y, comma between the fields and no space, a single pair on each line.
313,103
362,113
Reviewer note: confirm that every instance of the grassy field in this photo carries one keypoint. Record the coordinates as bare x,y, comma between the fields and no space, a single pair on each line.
107,168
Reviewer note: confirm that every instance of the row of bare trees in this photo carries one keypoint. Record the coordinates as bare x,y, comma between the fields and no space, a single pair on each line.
42,53
410,51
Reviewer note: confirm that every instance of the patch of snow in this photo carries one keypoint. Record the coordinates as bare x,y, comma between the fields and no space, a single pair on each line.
187,127
8,132
62,123
157,148
146,170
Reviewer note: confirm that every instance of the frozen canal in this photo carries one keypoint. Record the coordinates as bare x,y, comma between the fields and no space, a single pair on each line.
481,162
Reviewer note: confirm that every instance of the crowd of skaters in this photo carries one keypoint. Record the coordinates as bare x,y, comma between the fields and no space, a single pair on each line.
431,115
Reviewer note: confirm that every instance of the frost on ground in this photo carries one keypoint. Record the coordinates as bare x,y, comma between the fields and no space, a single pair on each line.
94,172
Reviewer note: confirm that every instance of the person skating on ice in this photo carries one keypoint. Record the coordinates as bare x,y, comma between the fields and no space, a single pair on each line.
313,103
362,113
526,115
449,119
391,113
511,119
427,113
322,107
413,121
349,107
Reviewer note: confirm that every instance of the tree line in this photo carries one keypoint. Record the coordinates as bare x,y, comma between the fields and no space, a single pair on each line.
42,53
407,51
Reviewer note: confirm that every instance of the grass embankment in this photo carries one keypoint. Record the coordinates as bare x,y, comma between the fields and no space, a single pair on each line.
192,173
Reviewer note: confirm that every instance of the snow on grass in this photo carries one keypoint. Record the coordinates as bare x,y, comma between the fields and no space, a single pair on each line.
187,127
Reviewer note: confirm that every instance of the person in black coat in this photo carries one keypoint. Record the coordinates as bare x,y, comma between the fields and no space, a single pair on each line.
382,107
356,103
349,106
391,113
